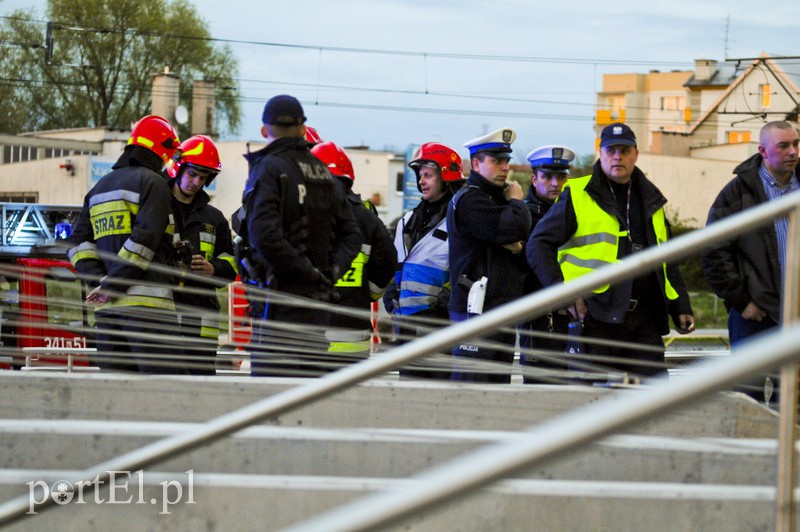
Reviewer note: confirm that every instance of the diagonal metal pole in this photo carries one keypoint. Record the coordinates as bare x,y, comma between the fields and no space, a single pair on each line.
785,511
553,438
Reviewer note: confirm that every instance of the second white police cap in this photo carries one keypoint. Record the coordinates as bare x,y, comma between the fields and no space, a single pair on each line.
552,157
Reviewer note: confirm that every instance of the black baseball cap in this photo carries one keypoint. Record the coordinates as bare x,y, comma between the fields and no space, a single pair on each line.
617,133
283,110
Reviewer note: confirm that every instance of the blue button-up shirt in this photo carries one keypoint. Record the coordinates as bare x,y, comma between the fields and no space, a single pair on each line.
774,191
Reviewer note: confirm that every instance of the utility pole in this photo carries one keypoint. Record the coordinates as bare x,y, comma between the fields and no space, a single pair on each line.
727,30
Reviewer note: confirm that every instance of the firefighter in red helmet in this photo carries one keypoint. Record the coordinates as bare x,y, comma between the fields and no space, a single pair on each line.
369,273
203,241
121,237
421,287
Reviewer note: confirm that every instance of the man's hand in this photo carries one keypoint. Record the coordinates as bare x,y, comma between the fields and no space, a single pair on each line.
753,312
685,324
201,266
98,296
513,190
514,247
578,310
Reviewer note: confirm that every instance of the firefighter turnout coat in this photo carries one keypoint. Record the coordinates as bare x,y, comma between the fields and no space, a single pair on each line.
123,229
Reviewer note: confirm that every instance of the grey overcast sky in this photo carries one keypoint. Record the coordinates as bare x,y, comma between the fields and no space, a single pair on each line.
470,67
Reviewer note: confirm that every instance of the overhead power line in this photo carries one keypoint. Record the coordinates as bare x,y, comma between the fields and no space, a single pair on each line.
373,51
529,59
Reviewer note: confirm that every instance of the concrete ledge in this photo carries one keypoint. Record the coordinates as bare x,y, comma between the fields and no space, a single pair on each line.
378,404
41,445
273,502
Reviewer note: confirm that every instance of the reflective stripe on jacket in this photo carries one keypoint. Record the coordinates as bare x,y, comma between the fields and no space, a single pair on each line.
595,242
425,268
123,229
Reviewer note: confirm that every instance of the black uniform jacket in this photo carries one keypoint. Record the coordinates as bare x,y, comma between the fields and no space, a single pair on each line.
196,221
480,221
126,216
363,281
300,226
538,208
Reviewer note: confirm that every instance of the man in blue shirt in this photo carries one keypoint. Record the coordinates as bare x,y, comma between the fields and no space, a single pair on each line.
747,272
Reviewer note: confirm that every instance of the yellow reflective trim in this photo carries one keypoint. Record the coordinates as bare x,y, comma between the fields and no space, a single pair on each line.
197,150
141,301
660,228
142,141
354,276
209,326
84,255
137,260
110,222
207,250
230,260
111,206
349,347
209,332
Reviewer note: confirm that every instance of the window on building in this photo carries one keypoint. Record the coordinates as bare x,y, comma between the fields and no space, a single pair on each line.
764,93
737,137
19,154
19,197
673,103
52,153
612,109
615,103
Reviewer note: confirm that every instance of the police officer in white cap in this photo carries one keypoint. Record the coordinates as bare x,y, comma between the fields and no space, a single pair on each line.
488,224
539,348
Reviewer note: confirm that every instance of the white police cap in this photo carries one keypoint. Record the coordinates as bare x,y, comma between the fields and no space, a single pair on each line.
553,157
497,142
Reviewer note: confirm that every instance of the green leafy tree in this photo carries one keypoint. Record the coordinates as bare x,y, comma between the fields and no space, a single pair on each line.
99,69
583,165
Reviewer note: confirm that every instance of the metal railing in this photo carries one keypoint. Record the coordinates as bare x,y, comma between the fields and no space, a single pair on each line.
554,437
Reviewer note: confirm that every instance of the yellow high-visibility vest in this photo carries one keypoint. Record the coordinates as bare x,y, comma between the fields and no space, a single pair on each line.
595,242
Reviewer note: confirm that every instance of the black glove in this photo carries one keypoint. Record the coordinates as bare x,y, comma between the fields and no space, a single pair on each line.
297,235
324,281
335,274
443,298
391,298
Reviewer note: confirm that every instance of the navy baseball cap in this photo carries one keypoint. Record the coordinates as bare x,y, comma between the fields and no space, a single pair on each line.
283,110
615,134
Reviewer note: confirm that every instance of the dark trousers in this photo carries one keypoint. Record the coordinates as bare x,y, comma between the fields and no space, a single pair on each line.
638,362
740,330
290,342
138,339
466,352
406,331
538,351
200,351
